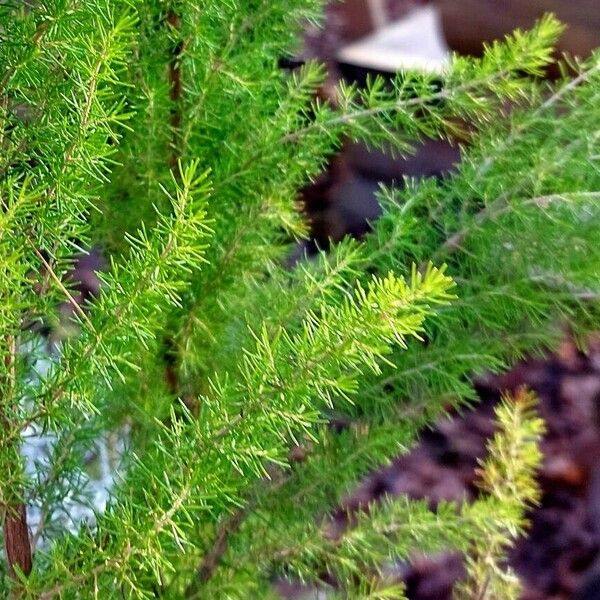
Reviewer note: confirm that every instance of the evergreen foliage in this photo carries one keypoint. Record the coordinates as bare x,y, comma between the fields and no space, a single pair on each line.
164,131
481,530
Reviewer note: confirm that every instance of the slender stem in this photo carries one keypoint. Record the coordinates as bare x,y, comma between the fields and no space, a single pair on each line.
176,88
212,558
37,37
227,528
487,164
497,209
483,592
52,273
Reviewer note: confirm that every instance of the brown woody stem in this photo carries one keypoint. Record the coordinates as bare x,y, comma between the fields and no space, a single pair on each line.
17,546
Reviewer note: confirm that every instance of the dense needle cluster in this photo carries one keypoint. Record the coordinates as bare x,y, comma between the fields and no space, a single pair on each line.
255,395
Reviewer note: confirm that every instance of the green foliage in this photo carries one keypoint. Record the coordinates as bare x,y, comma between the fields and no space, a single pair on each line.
507,477
397,527
165,132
